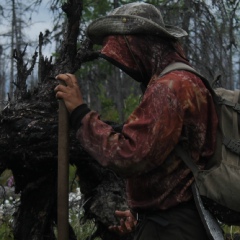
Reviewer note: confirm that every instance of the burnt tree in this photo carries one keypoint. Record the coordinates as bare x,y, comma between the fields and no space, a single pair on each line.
28,146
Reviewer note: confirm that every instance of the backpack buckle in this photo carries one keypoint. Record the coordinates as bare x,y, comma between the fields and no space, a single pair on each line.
232,144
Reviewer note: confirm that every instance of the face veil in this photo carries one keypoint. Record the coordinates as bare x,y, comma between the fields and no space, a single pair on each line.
141,57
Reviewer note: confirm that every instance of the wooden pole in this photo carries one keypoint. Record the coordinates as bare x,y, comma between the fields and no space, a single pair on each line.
63,171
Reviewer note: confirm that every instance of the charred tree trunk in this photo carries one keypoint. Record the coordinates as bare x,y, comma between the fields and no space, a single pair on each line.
28,146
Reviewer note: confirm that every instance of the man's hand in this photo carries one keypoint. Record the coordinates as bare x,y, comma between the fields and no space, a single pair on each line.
127,222
71,93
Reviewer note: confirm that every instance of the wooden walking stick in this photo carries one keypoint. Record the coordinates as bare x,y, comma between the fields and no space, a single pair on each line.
63,171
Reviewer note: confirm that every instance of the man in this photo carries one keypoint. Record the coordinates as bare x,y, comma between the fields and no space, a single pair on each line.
175,107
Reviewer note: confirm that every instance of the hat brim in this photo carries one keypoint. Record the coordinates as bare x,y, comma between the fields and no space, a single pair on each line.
129,24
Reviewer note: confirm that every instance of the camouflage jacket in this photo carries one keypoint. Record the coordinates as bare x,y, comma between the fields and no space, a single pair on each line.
174,107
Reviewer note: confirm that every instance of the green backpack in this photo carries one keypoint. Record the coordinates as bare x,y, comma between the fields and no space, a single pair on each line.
219,184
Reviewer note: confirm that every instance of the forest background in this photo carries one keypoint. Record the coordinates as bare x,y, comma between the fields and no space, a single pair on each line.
212,47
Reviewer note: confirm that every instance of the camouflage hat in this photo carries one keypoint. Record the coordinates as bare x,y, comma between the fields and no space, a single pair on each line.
132,18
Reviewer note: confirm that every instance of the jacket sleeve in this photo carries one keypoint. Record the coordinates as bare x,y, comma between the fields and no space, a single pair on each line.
147,138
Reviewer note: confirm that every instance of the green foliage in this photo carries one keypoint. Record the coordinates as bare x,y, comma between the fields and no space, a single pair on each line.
230,230
7,207
73,183
6,230
130,103
108,109
4,177
82,230
96,8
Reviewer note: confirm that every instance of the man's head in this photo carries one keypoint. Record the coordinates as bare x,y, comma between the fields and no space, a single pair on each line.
131,19
136,40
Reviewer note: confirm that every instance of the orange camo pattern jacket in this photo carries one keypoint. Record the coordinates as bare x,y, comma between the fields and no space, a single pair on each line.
175,106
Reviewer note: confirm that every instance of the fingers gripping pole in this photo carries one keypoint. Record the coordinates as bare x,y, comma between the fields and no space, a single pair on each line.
63,171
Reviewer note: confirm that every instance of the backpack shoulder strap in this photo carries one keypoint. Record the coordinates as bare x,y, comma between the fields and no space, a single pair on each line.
184,155
218,100
183,66
179,66
232,144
